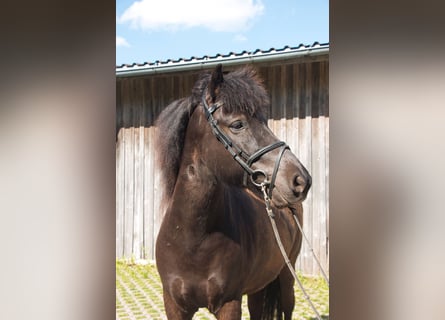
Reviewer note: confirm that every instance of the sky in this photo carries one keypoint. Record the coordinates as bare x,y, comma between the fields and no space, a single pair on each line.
151,30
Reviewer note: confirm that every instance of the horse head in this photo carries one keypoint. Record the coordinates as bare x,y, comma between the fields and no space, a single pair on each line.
233,108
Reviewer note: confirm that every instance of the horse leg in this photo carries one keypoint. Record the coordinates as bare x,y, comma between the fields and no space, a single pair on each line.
277,297
174,312
266,303
287,292
230,311
255,304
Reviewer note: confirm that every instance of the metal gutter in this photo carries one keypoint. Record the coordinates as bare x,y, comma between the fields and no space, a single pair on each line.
204,63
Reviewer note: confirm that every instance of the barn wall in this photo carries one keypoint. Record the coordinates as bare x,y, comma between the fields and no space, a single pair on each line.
299,115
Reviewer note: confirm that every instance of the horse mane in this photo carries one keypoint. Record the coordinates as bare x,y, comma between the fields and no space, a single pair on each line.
241,91
169,141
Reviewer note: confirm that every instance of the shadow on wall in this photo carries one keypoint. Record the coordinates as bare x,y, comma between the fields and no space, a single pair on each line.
297,90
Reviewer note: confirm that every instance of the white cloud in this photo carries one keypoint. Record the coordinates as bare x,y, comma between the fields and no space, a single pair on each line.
121,42
216,15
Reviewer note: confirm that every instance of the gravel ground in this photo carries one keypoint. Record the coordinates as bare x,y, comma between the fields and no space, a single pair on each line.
139,295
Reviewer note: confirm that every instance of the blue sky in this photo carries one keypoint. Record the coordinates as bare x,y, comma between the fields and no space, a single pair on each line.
150,30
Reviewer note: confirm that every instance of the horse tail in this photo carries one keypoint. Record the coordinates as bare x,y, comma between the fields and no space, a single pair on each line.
272,301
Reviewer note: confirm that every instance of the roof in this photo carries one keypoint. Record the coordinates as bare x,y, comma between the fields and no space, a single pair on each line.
196,63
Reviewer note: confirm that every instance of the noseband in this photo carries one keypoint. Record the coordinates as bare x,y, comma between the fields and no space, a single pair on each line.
258,177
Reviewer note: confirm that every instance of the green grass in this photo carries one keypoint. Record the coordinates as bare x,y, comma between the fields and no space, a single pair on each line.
139,295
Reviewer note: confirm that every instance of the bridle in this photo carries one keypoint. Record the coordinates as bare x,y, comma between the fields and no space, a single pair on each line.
258,177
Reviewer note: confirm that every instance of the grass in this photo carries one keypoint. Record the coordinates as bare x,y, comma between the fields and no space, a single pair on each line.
139,295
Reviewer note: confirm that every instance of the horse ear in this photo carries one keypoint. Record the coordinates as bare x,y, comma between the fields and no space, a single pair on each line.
215,82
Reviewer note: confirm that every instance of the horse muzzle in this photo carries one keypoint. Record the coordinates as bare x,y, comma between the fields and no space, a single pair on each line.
292,183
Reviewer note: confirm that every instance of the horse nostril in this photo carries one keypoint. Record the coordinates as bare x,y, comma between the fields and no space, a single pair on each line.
299,180
301,185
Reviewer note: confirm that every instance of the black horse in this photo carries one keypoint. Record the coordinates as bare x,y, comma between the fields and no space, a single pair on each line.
216,242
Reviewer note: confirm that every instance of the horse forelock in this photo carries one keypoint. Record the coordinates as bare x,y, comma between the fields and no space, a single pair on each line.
242,91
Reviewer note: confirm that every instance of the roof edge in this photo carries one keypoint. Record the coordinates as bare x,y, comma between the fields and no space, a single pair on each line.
231,59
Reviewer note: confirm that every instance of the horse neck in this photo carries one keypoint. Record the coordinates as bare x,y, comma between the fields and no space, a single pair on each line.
196,205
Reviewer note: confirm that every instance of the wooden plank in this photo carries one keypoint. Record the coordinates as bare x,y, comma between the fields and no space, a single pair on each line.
295,109
157,109
171,91
144,122
317,174
136,248
119,166
323,156
321,199
270,89
281,83
141,169
158,209
157,215
277,97
128,192
317,189
119,109
287,83
150,241
327,190
305,156
276,101
138,223
301,84
120,200
326,145
129,172
296,128
315,89
150,169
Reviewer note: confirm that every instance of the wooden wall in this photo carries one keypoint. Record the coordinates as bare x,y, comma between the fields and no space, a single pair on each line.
299,115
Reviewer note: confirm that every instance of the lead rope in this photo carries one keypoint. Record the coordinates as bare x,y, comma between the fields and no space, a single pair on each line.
283,251
312,250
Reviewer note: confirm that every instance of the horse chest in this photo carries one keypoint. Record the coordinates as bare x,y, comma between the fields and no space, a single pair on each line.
195,291
204,277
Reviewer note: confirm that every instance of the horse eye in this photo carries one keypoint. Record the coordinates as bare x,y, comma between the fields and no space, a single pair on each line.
237,125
